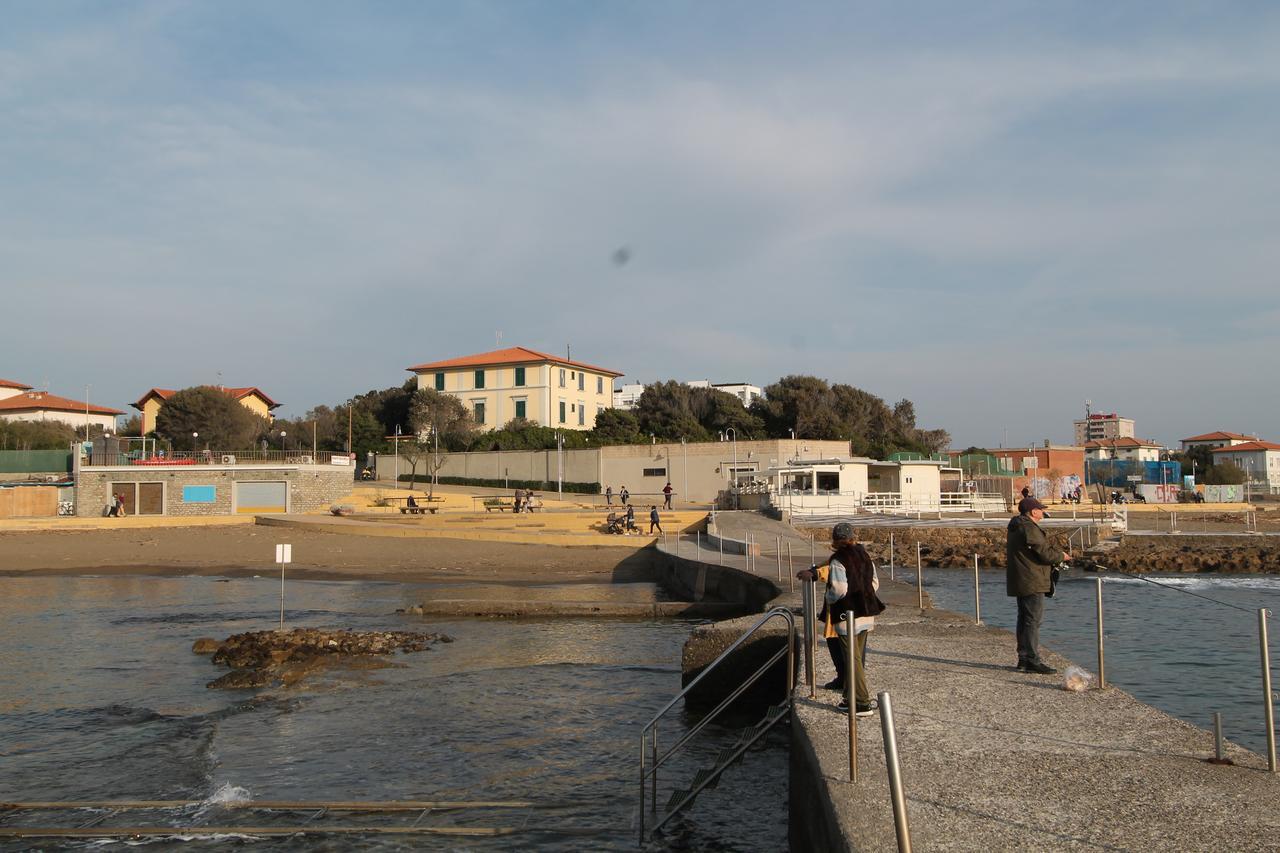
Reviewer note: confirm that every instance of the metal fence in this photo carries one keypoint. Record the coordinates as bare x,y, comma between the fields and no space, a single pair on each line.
99,458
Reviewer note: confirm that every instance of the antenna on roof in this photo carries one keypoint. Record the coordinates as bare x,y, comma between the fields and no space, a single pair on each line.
497,339
568,354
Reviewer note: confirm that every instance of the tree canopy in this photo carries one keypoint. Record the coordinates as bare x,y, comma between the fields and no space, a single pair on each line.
37,435
221,421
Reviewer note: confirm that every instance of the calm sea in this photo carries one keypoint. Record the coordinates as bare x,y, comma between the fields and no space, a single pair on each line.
101,698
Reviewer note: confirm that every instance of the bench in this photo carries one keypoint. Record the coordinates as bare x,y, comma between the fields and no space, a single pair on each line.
419,509
490,504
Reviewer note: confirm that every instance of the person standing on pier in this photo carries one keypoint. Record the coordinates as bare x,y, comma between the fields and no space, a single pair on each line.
1030,559
654,520
608,495
851,580
666,496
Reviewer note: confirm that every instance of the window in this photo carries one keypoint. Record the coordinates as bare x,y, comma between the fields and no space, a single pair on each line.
599,384
520,408
439,381
582,381
655,472
582,415
562,377
479,378
479,412
519,377
562,408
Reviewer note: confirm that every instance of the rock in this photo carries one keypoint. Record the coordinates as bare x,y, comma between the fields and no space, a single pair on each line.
262,657
205,646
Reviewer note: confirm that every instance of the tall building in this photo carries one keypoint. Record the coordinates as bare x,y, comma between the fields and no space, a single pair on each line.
517,382
1097,427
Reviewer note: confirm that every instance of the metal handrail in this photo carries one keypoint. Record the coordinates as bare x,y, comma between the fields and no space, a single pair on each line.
650,774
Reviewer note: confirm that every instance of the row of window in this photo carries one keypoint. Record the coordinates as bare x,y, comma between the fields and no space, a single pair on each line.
521,411
478,379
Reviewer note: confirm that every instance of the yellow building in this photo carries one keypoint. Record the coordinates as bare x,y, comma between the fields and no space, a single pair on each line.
252,399
517,382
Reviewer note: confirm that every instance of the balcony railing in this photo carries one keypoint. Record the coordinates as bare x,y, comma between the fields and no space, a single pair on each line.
186,458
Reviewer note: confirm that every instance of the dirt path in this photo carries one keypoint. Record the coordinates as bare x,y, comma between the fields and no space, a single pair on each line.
250,550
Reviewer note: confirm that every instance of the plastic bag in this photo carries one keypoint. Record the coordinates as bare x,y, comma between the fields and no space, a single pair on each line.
1077,680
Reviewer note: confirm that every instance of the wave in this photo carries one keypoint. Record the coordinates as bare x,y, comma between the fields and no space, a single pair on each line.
1262,583
206,618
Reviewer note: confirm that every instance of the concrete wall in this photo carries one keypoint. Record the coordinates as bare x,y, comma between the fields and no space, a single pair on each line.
310,487
580,466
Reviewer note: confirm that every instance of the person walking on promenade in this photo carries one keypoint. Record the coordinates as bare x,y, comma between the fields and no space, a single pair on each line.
666,495
519,501
624,496
851,583
631,519
608,495
1030,560
117,506
653,520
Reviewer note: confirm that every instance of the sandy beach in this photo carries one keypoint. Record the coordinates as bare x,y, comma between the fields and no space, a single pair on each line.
249,550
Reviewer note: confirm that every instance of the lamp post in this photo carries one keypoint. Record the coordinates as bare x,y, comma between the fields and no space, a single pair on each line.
194,441
86,412
559,465
684,449
282,435
734,473
397,451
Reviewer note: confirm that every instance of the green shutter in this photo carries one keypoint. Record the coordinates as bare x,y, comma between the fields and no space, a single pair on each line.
562,412
519,376
479,378
439,381
519,406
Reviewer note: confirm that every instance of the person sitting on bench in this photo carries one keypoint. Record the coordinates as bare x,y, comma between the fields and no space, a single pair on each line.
411,505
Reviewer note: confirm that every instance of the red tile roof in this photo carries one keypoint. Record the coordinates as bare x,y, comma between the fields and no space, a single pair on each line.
9,383
237,393
35,401
1222,436
1248,445
511,355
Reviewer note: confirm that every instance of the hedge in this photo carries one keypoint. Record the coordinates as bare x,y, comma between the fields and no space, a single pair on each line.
536,485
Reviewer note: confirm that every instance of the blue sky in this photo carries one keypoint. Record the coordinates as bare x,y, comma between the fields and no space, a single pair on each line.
997,210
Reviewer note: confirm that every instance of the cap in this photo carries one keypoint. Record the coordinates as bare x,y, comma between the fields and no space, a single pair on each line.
1027,504
842,531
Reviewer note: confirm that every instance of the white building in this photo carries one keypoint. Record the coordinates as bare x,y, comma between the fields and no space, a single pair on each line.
31,405
1099,426
627,395
1260,460
1214,440
859,484
1127,448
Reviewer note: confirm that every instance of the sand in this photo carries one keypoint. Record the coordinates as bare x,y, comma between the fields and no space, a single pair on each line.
250,550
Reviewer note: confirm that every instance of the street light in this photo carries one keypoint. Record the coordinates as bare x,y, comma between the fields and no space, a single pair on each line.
397,445
194,437
282,435
734,472
684,447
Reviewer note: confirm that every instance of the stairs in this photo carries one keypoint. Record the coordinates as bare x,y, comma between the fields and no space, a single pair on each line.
709,777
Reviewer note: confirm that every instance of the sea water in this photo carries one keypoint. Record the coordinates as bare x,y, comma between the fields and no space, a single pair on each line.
101,698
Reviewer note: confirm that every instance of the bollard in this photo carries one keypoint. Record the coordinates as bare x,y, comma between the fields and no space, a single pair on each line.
678,538
1102,658
901,825
697,541
919,578
778,552
850,692
1267,697
812,648
890,555
1218,751
721,538
791,569
977,594
810,622
812,561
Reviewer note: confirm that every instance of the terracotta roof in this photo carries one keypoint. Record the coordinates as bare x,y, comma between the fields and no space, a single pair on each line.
1222,436
237,393
1248,445
511,355
34,401
1124,441
9,383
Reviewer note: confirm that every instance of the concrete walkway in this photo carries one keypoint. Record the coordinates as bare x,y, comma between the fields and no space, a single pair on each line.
995,759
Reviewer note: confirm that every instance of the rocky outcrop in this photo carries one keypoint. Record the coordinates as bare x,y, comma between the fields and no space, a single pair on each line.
261,658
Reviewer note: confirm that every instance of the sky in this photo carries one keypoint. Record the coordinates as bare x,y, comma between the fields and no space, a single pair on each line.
996,210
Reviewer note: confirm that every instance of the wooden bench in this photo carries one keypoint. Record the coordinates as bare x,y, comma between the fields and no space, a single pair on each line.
490,504
419,509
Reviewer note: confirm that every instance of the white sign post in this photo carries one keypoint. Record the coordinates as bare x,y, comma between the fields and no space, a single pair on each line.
284,555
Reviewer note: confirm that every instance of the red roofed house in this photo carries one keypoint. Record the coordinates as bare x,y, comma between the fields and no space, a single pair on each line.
1213,440
1259,459
1136,449
522,383
251,398
20,403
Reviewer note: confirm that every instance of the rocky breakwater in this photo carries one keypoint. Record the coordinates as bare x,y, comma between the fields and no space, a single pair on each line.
263,658
1173,553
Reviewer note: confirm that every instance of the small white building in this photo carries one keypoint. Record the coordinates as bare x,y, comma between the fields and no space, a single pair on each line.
859,484
31,405
1214,440
1127,448
627,395
1260,460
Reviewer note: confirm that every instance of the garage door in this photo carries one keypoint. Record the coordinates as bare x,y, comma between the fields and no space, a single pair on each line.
262,497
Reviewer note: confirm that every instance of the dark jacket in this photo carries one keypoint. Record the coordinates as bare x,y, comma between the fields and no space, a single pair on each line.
1028,557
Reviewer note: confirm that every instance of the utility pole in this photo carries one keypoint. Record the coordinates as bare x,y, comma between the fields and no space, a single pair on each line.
350,410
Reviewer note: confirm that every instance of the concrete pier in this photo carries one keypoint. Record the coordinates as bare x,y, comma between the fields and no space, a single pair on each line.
995,759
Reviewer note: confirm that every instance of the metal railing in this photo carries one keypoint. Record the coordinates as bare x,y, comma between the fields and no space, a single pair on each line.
184,458
1264,653
649,733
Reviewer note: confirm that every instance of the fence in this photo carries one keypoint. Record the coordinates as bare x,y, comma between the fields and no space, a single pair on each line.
98,458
